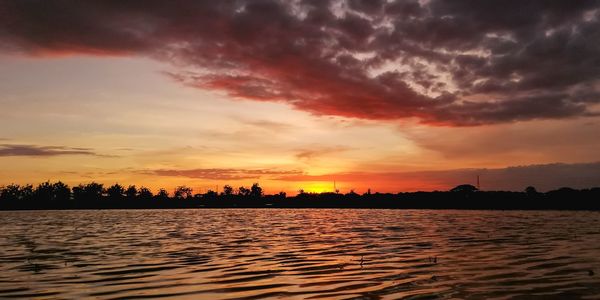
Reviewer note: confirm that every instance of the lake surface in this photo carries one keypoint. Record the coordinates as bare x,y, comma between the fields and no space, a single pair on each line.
299,254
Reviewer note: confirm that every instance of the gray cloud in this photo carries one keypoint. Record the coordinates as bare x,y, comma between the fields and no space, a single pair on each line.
574,141
34,150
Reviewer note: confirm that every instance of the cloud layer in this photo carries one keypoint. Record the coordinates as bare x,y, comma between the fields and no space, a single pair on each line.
442,62
221,174
34,150
544,177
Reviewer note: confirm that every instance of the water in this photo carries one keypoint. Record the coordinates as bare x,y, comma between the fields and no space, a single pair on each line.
299,254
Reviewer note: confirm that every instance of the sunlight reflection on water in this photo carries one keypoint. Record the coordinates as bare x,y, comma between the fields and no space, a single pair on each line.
302,254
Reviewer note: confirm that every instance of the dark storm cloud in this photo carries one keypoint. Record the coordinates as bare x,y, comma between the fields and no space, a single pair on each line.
33,150
443,62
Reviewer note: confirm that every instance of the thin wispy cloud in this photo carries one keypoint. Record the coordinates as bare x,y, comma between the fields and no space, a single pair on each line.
221,174
316,152
269,125
43,151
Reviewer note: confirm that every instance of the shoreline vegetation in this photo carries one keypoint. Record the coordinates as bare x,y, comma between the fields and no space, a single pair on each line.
48,196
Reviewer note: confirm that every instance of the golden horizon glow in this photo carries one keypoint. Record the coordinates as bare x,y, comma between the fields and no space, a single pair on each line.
134,122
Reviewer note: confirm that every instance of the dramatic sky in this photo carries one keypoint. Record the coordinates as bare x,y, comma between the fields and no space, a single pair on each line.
388,95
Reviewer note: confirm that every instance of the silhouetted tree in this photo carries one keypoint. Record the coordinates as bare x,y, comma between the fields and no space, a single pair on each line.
162,194
131,192
115,192
302,194
462,197
210,194
243,191
90,191
144,193
352,195
530,190
61,192
464,188
227,190
256,191
79,192
44,191
11,192
47,192
26,192
183,192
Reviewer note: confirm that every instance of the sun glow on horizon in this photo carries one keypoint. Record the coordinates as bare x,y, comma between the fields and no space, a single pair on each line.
317,187
80,111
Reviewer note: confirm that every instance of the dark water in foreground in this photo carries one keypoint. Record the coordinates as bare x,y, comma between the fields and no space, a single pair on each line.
301,254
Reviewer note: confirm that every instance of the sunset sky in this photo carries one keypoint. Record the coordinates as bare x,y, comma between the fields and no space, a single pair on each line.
388,95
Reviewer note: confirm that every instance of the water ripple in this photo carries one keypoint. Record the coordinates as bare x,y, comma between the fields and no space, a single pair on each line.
299,254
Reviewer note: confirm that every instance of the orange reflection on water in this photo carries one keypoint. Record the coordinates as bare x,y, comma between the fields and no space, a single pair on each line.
298,254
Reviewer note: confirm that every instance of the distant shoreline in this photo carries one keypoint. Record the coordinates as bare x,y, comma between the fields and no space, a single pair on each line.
58,196
563,199
290,208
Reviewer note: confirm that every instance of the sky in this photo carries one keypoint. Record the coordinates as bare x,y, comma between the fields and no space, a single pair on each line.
383,95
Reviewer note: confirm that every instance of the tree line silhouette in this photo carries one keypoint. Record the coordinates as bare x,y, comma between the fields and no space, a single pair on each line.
94,195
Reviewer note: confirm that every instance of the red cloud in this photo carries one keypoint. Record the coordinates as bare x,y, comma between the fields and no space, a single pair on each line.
444,63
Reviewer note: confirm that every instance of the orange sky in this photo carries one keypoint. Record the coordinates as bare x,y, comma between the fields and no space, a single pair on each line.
391,96
134,122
